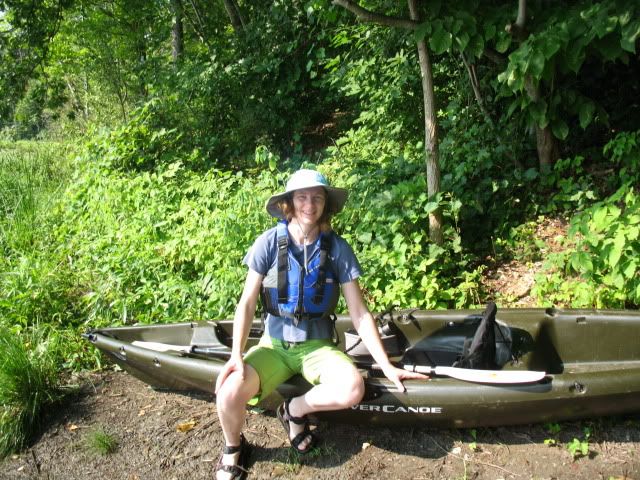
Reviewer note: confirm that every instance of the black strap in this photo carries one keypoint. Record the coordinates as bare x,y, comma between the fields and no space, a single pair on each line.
283,267
325,246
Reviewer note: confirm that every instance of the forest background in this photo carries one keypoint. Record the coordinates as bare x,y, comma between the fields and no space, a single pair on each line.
139,141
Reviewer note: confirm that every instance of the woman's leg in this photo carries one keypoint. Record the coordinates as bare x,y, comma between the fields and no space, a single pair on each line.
231,402
339,385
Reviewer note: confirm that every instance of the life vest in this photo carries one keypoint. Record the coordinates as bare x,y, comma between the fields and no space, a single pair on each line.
300,293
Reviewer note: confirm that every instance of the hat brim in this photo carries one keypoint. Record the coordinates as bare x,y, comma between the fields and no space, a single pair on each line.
337,197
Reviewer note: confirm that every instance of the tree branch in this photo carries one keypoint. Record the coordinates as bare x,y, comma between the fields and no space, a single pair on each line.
521,20
519,28
368,16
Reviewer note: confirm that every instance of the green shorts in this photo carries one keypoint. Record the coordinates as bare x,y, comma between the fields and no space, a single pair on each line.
276,361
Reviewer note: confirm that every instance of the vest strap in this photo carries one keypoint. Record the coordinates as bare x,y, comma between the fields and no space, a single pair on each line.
283,263
325,246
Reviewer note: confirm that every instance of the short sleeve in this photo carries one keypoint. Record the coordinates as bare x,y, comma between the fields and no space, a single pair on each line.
260,256
345,261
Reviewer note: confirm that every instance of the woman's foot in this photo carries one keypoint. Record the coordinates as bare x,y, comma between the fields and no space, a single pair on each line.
300,436
233,462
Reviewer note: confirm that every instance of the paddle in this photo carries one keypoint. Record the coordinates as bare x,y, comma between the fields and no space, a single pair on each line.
477,376
465,374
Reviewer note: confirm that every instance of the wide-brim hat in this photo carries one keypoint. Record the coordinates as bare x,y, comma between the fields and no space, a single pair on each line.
305,178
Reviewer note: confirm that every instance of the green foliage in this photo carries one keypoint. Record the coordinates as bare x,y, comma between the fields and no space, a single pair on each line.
162,246
101,442
386,224
604,264
604,238
557,50
580,447
29,383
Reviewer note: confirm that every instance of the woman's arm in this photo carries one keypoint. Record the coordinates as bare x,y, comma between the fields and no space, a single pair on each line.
366,326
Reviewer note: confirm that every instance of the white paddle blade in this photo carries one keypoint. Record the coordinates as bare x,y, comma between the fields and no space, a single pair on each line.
481,376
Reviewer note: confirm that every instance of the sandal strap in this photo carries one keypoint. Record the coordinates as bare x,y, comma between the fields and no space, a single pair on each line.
229,449
232,469
291,418
299,438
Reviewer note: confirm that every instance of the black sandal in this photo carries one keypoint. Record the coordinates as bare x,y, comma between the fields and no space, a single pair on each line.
239,470
286,418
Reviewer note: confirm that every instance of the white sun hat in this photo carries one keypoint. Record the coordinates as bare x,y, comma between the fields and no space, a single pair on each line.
305,178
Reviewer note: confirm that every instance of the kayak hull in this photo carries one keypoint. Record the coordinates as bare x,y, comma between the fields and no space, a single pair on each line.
592,360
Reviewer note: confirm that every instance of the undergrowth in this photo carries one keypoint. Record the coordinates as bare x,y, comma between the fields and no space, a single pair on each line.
30,379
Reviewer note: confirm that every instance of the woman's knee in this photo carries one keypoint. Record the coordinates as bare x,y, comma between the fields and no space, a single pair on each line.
350,390
237,390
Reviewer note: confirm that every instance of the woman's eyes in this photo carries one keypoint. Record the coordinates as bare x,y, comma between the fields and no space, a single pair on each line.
302,198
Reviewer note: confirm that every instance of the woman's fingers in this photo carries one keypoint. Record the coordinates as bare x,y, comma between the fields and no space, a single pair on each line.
228,368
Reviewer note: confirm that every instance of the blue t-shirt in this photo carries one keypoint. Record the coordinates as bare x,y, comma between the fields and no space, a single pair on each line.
263,256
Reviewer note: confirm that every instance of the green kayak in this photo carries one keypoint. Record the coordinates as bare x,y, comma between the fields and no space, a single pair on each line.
486,369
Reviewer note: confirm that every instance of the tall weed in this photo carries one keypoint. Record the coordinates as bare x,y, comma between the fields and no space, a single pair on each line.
29,383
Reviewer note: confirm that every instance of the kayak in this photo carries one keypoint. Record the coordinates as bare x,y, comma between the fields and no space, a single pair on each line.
490,368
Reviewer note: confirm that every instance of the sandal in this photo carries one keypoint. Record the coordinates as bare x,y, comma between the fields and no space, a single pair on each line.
239,470
286,419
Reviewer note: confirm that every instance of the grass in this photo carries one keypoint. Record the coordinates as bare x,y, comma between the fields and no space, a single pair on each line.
30,175
29,382
101,442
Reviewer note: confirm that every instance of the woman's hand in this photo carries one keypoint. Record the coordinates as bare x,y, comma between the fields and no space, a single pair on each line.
234,364
396,375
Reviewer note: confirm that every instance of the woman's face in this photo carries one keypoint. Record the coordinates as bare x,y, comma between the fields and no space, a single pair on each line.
308,205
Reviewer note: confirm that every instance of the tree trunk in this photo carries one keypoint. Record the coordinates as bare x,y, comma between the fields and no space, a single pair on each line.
432,152
546,143
177,37
233,10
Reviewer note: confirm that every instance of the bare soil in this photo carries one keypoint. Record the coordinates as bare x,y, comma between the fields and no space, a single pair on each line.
173,436
166,436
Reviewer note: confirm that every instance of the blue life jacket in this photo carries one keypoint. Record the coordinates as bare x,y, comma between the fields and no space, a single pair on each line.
301,294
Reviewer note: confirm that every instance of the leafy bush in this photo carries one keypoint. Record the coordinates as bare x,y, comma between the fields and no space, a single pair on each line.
604,241
386,224
602,268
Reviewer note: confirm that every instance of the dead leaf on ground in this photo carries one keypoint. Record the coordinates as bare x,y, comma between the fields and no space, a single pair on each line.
186,426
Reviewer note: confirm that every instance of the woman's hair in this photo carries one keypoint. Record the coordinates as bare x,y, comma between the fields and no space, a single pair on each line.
286,205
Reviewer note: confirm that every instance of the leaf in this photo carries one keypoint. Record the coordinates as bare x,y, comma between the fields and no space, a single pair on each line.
186,426
600,220
423,30
616,251
365,238
440,40
549,46
581,262
585,114
574,56
560,129
463,41
535,64
630,33
503,43
431,207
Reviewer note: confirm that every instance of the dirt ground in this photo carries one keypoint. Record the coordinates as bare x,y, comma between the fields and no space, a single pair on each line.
167,436
173,436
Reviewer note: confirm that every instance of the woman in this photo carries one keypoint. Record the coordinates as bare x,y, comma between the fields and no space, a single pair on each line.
295,268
